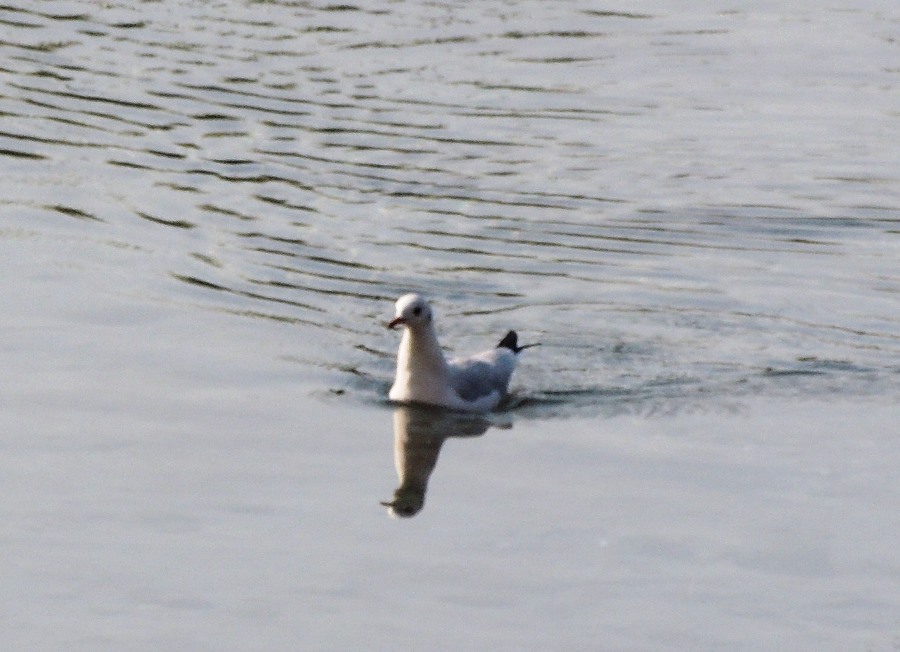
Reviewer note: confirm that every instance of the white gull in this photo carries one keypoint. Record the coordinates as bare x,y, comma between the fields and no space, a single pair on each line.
424,375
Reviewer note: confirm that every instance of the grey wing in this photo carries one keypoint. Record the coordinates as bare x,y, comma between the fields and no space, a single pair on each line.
474,379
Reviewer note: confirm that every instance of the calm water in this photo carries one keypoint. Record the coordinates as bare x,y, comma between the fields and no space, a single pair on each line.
208,210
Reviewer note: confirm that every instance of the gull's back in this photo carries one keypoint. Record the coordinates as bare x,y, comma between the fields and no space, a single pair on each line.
483,377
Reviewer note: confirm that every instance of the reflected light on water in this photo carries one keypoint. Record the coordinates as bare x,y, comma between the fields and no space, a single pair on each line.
419,434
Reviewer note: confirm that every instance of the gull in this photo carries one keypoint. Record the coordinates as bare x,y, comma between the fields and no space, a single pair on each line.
424,375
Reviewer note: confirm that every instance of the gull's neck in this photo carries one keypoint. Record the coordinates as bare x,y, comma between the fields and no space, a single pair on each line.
419,348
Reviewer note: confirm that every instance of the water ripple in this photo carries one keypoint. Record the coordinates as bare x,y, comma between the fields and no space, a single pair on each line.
305,164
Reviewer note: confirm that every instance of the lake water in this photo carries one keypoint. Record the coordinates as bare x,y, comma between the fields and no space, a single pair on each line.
208,209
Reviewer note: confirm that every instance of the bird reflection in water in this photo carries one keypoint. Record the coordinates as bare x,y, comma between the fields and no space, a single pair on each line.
419,433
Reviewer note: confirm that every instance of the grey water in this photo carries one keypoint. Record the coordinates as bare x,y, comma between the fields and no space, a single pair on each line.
208,209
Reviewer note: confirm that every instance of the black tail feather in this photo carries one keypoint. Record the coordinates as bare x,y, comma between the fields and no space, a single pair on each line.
511,342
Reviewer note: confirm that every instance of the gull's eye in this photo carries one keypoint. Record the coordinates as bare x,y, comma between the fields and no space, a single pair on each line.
417,311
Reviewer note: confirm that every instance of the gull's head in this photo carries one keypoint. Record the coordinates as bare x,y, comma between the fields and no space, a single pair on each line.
412,311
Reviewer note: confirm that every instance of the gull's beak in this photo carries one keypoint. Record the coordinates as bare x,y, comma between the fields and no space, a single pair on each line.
396,321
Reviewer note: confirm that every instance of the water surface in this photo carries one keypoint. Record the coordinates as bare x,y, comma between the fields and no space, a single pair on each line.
207,212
